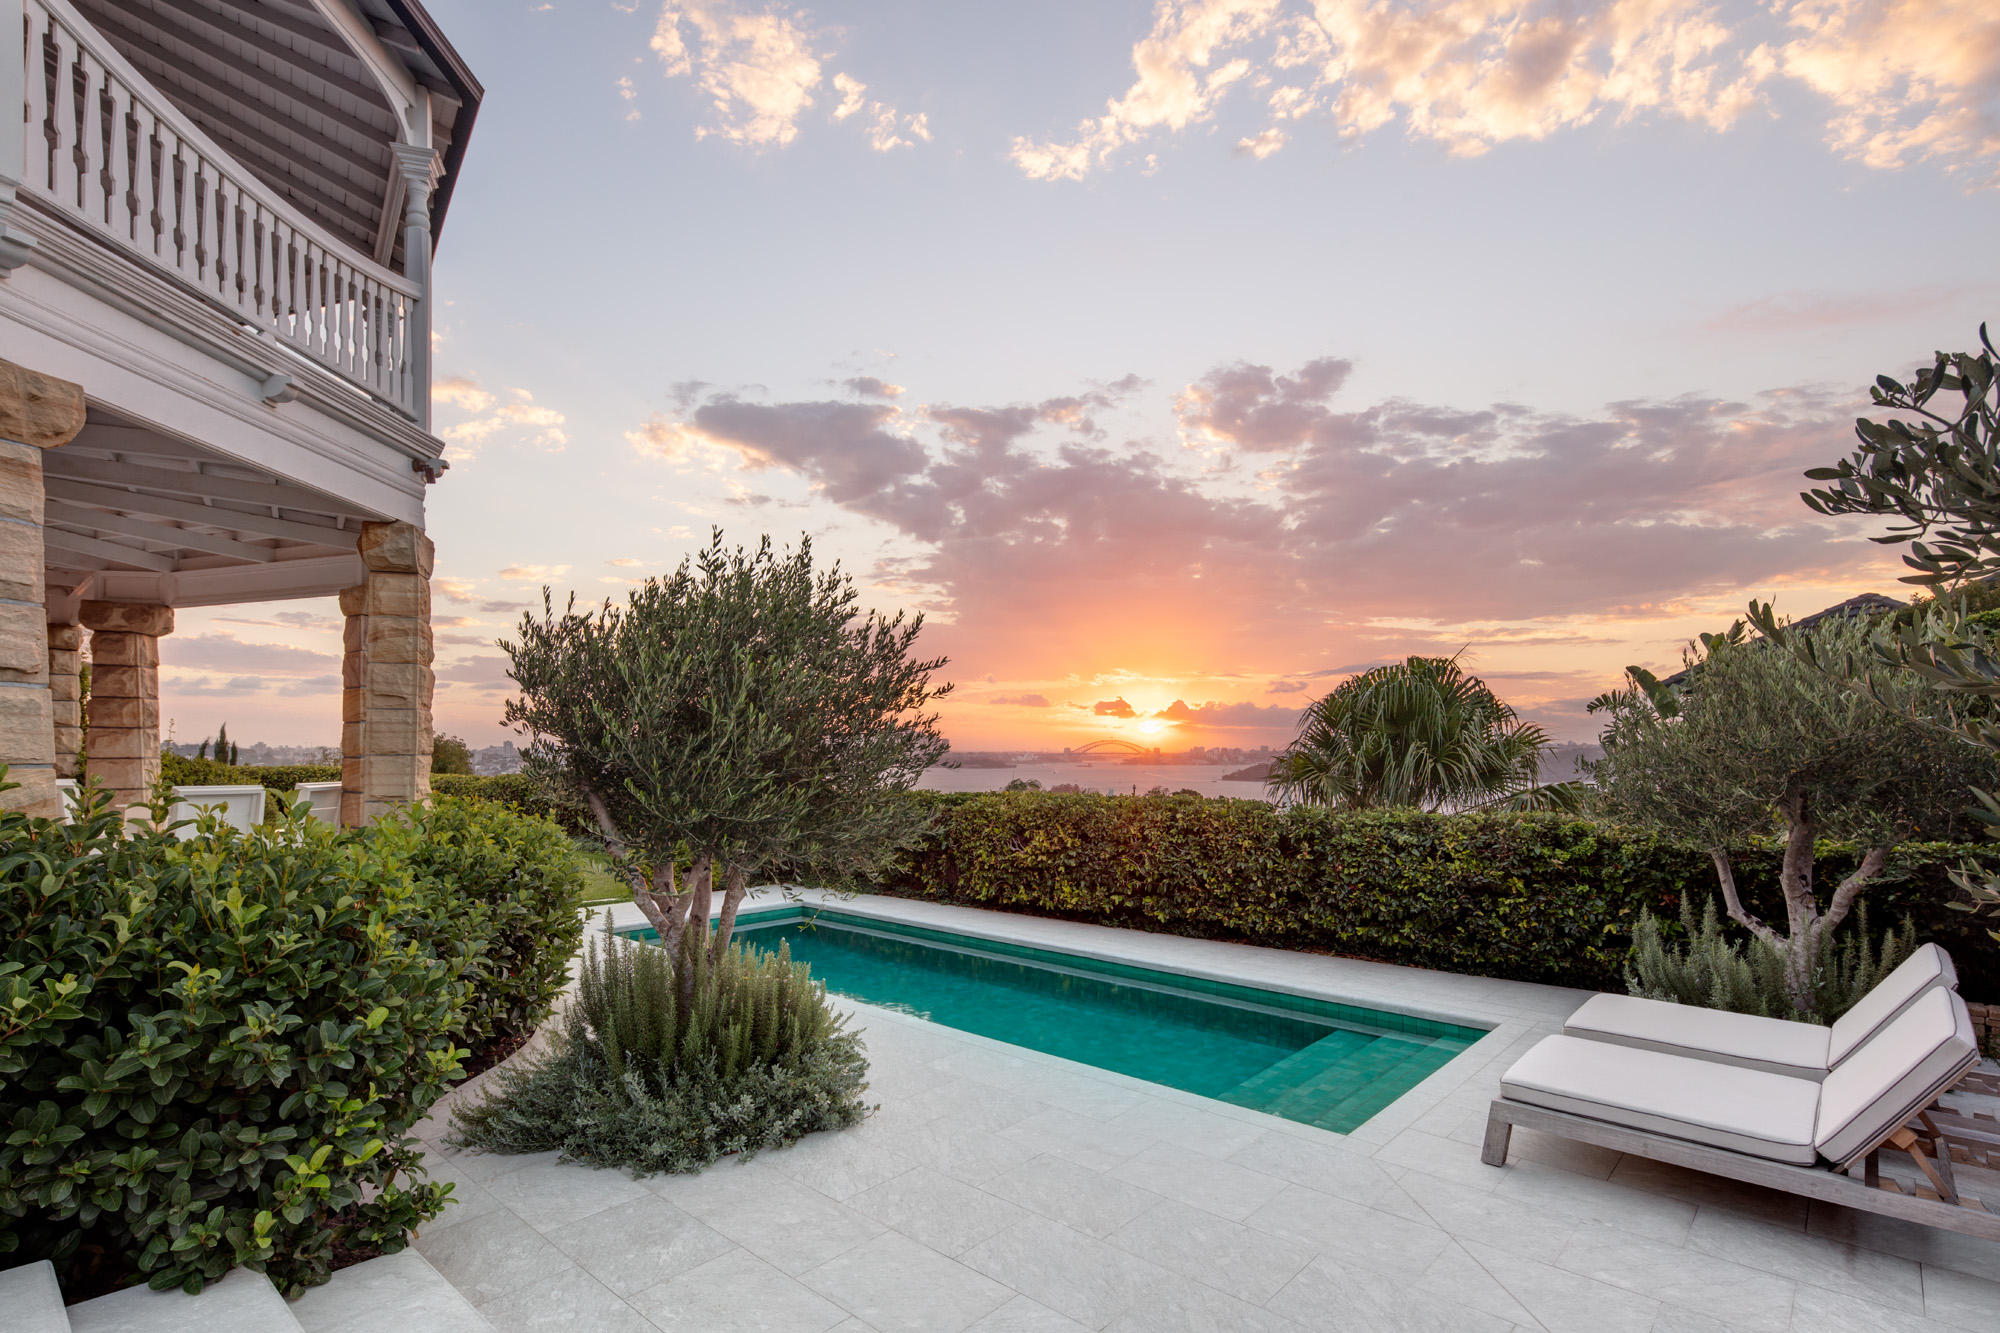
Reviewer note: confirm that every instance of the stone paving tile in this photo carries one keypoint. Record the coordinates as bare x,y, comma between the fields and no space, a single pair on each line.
1073,1195
1458,1277
1071,1273
1357,1234
1964,1302
1022,1315
1822,1311
962,1151
1180,1305
1188,1127
1330,1170
1079,1138
948,1215
1447,1159
793,1227
492,1255
1560,1301
1523,1228
549,1194
1206,1182
1814,1260
1341,1298
842,1164
975,1104
1708,1191
896,1285
1587,1199
1746,1297
1249,1265
639,1243
571,1299
737,1293
1910,1240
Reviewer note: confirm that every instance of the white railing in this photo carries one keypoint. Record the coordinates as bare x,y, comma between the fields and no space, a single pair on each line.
113,155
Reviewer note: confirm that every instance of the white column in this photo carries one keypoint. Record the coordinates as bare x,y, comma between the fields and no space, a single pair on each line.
420,168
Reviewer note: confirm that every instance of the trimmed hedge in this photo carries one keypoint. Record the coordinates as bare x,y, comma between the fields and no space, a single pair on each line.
516,791
277,778
1534,897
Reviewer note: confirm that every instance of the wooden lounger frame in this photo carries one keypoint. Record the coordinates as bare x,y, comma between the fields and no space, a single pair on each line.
1869,1194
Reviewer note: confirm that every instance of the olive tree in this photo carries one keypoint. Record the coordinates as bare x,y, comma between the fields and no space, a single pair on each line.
737,719
1751,740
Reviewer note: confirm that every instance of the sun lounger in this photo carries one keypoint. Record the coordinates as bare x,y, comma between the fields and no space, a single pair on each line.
1787,1133
1773,1045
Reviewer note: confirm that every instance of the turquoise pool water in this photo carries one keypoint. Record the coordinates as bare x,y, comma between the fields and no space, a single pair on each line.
1324,1064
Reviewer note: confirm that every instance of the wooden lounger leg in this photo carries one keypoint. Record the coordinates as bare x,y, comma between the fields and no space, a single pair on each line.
1910,1144
1499,1133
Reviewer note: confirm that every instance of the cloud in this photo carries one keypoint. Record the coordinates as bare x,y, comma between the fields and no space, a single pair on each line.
1286,687
499,607
1020,700
1114,708
885,125
622,562
1908,79
225,652
1366,530
520,411
1902,80
1177,84
533,573
453,590
867,386
1237,715
461,392
758,68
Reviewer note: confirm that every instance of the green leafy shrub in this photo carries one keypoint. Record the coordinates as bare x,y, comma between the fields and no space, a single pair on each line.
502,890
1535,897
1715,971
516,791
212,1052
668,1061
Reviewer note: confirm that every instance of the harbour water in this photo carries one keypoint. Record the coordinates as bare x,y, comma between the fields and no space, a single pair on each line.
1105,775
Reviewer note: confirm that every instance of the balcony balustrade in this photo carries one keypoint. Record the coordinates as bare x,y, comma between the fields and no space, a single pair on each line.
111,155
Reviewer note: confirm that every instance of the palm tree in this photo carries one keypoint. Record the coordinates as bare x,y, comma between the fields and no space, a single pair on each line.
1416,734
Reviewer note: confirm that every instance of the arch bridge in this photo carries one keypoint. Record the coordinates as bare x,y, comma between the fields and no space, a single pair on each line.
1113,747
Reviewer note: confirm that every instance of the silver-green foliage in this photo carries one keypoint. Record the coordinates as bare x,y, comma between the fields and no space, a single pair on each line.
666,1061
1713,971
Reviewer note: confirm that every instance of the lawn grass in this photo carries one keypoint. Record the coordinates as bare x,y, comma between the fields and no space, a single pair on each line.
600,885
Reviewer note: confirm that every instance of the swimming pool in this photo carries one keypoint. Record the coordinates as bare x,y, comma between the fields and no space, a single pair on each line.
1313,1061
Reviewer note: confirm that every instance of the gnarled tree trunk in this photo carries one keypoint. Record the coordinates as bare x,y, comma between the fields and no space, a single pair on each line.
1807,927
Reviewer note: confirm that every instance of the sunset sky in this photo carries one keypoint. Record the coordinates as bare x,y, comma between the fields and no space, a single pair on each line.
1178,359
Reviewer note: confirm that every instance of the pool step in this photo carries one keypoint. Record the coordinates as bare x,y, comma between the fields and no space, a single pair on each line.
398,1290
1309,1066
239,1302
1411,1066
1338,1081
31,1300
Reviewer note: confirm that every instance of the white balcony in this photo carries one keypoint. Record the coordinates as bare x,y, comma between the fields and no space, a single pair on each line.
273,161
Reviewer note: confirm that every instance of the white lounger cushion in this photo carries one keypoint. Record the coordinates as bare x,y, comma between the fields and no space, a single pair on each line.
1928,969
1900,1072
1797,1050
1744,1110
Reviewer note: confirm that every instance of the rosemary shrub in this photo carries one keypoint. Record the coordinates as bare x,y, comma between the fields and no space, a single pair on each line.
1713,971
666,1061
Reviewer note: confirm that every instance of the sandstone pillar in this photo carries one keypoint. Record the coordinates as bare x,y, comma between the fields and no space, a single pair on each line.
122,750
385,739
66,696
36,413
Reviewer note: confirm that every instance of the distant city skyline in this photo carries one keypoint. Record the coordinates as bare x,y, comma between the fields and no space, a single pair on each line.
1246,344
